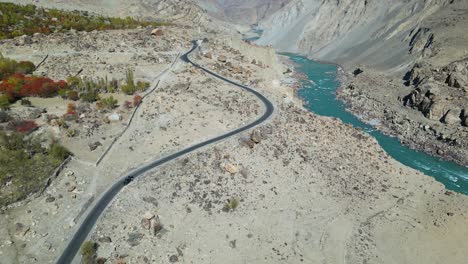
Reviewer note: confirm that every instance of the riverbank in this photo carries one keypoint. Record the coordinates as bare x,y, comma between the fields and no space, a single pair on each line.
410,126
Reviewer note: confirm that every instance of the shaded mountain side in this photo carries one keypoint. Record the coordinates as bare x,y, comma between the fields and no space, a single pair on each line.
245,12
386,36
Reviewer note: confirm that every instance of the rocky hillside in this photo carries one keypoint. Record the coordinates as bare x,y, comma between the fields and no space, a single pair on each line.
243,11
378,33
416,51
145,9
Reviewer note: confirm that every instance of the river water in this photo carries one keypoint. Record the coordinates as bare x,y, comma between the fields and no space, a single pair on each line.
319,95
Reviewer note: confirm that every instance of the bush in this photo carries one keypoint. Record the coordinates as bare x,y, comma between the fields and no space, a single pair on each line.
71,109
141,86
25,164
24,126
72,95
4,102
130,87
110,103
9,67
25,67
88,252
127,104
25,102
71,132
137,100
89,97
58,151
232,204
18,86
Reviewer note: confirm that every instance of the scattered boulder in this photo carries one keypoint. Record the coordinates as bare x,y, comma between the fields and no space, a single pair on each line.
105,239
222,58
452,117
437,111
149,215
24,40
256,136
230,168
21,230
156,226
173,258
94,146
4,117
145,223
157,32
464,117
357,71
209,55
114,117
34,113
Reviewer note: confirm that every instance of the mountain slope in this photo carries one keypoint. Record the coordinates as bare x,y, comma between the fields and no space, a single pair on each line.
380,34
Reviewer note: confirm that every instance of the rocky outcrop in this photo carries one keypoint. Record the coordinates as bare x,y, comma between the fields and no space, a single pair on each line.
387,35
439,93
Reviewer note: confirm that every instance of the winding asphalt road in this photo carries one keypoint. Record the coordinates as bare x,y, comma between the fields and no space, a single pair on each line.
87,225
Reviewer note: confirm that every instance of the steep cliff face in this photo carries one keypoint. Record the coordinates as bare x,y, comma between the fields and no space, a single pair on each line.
388,36
243,11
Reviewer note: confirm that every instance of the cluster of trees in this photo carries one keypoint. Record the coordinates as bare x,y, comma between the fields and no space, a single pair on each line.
18,20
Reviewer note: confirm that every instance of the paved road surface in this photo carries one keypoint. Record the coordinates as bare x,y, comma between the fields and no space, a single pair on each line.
87,225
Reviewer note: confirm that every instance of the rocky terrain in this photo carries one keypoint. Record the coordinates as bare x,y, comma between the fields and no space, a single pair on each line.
245,12
300,188
413,54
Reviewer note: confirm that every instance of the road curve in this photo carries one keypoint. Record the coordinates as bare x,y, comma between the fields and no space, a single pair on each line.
87,225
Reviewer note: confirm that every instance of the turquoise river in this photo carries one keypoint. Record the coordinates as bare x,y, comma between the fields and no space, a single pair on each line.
319,95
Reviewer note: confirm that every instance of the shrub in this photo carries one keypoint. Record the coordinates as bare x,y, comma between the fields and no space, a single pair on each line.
141,86
24,126
18,85
63,93
89,97
232,204
127,104
71,109
25,102
71,132
88,252
25,67
110,103
72,95
129,88
9,67
137,100
100,105
25,163
4,102
58,151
